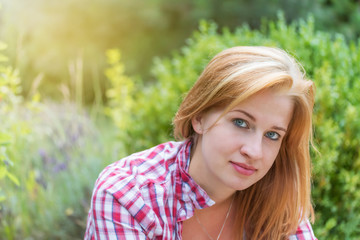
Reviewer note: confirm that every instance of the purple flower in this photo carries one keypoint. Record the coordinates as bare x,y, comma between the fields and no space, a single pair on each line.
59,167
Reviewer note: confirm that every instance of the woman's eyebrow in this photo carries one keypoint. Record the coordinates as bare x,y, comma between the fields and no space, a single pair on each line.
254,119
246,113
279,128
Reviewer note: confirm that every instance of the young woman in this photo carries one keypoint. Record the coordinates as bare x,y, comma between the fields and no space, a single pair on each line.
241,171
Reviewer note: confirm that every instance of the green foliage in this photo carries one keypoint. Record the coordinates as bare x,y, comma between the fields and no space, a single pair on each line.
121,94
121,91
9,98
50,155
10,88
56,163
333,65
46,38
4,163
338,16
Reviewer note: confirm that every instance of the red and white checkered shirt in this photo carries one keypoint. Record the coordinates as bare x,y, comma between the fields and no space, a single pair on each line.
148,194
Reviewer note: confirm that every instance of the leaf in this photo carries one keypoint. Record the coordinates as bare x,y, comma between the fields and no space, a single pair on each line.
330,224
13,178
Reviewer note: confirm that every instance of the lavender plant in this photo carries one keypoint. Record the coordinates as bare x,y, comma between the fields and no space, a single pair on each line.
57,164
50,155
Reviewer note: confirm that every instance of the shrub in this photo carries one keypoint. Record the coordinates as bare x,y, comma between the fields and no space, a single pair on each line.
329,60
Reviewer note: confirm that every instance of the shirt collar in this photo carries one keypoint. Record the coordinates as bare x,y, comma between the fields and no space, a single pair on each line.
188,192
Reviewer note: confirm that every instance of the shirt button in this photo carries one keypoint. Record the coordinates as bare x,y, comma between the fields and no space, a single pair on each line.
182,212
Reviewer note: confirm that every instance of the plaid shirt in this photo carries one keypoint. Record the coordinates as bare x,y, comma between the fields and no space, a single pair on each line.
148,194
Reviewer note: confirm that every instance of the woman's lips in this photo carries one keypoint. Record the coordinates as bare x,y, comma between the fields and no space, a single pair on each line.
243,168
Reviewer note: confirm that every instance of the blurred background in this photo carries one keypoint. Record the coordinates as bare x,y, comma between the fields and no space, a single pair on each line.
83,83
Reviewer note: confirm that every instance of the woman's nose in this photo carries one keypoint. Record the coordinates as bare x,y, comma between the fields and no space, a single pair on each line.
252,147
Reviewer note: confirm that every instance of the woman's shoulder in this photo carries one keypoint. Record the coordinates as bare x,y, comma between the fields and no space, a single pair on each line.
304,231
139,183
151,166
147,160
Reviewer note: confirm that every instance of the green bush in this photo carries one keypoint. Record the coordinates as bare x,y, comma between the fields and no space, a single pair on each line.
329,60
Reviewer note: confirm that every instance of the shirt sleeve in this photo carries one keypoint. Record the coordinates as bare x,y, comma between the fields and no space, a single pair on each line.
110,220
303,232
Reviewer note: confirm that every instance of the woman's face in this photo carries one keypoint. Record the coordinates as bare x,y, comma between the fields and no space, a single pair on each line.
242,146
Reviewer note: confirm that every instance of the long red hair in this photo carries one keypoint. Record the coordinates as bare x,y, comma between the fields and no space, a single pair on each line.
273,207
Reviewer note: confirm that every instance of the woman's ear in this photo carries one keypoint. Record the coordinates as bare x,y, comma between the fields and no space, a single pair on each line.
196,123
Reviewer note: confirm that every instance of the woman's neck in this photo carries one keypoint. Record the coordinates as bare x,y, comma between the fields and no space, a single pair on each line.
213,187
214,221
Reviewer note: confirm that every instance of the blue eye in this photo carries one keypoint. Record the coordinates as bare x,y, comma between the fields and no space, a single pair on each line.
272,135
240,123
